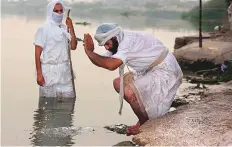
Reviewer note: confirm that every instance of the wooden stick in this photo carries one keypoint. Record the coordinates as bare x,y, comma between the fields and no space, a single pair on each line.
70,59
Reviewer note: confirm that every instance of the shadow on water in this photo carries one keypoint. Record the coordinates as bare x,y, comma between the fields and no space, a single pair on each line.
52,122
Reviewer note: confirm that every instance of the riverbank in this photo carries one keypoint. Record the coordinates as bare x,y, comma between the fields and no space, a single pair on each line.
214,51
207,121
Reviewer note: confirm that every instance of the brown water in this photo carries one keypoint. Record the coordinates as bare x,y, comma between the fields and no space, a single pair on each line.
97,103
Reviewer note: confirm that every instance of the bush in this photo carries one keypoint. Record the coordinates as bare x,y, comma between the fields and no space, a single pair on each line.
228,2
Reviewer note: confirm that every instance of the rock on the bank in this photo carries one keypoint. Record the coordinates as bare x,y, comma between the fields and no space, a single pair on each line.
211,54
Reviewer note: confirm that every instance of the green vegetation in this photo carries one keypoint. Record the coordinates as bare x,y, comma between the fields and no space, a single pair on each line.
213,13
228,2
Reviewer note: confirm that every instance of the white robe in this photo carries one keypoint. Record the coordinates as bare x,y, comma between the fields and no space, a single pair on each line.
158,87
53,38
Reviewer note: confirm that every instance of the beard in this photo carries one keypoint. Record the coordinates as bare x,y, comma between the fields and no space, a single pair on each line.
115,44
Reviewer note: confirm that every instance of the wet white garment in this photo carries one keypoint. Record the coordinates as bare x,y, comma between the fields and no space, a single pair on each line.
53,38
158,87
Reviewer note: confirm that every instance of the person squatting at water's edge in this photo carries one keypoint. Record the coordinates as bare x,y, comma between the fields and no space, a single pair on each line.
154,74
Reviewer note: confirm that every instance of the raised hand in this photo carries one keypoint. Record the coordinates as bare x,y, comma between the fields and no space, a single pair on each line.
88,43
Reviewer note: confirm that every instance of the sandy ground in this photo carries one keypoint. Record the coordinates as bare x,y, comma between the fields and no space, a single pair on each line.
208,121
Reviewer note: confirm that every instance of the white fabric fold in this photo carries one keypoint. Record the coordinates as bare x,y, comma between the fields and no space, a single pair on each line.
121,92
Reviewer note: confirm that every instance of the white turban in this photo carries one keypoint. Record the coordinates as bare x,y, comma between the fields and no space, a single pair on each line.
107,31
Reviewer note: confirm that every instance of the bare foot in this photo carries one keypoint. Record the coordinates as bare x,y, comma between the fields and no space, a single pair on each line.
133,130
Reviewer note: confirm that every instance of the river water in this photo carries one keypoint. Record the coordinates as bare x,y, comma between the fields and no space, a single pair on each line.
27,120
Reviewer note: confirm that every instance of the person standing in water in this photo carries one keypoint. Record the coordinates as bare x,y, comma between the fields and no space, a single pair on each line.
52,53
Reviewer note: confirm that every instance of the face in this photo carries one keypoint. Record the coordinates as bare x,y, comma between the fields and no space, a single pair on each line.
112,45
58,9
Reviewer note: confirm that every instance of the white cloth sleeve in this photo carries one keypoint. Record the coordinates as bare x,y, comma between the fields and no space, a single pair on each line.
68,35
40,38
123,49
120,55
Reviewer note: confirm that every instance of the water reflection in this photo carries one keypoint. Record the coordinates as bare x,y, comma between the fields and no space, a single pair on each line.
52,119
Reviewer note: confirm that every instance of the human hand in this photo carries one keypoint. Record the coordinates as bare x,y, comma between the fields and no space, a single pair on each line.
88,43
69,23
40,80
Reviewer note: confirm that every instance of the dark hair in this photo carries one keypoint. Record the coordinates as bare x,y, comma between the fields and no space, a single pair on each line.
114,48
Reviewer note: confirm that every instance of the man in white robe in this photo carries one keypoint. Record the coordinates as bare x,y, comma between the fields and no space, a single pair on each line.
156,73
52,53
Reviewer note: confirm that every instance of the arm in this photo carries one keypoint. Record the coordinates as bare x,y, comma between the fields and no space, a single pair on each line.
72,32
104,62
73,39
38,51
40,78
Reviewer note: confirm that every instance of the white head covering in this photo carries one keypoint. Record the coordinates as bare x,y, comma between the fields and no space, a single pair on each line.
58,32
106,31
50,8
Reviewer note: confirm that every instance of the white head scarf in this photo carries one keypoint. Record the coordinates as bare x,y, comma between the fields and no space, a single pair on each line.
58,32
106,31
50,8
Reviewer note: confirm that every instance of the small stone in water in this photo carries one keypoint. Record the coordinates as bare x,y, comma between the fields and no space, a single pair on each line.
125,143
118,128
172,109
